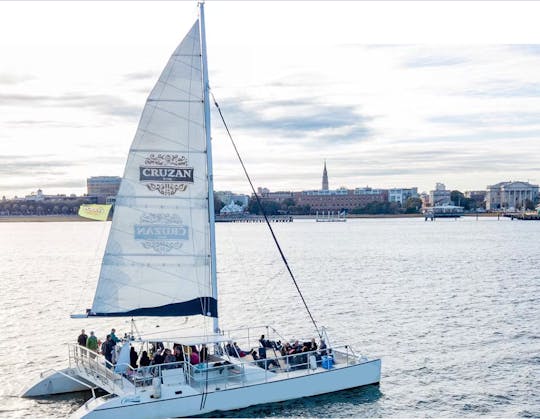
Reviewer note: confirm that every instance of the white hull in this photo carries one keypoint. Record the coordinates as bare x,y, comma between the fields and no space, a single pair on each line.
58,382
189,403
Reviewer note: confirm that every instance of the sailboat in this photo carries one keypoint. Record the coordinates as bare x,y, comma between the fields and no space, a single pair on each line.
160,260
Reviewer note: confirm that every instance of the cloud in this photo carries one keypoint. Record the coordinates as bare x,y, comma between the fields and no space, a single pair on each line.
488,119
141,75
105,104
504,88
533,49
433,61
25,166
300,119
7,78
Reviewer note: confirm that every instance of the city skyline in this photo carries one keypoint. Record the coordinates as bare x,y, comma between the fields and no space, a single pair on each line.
389,105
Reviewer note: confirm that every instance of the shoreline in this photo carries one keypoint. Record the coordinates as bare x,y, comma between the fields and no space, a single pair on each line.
71,218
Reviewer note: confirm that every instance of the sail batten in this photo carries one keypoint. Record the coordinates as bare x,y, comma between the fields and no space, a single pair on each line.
158,259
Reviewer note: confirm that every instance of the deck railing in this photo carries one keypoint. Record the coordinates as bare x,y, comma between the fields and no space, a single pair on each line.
226,373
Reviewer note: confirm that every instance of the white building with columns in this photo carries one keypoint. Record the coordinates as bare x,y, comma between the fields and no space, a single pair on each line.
510,195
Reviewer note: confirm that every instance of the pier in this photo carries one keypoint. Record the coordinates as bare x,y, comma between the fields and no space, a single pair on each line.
253,219
523,216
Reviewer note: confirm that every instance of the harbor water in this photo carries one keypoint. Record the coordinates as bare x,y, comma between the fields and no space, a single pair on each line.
452,307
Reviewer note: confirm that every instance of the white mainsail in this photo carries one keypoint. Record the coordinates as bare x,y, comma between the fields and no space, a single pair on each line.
158,256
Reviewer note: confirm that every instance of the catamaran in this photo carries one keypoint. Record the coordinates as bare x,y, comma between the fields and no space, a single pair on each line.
160,260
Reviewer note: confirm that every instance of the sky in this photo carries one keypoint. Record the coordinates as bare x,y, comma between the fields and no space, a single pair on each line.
390,94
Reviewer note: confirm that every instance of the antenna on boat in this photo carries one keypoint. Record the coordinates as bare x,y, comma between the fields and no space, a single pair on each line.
266,218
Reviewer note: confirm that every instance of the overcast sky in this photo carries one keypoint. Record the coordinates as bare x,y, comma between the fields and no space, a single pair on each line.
391,94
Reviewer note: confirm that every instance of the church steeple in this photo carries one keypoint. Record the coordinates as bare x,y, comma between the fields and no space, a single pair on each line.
324,178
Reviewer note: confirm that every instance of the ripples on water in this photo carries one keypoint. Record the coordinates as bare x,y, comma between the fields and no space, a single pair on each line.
452,307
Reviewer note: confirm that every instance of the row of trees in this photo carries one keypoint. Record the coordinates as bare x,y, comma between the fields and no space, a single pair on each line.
49,207
288,206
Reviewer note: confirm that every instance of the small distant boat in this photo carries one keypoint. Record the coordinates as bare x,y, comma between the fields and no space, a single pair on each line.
330,217
443,211
160,260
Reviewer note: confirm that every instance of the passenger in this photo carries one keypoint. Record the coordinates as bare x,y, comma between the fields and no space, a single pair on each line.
322,348
229,349
313,346
204,354
239,352
107,349
83,337
133,357
114,339
178,353
145,361
158,358
91,342
194,358
169,358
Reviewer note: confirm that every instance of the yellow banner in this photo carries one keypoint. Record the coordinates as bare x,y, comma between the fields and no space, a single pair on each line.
94,211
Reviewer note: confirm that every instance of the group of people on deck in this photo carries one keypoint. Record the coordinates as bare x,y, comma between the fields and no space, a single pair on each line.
295,351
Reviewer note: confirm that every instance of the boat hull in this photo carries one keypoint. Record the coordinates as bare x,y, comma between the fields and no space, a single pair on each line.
234,398
57,382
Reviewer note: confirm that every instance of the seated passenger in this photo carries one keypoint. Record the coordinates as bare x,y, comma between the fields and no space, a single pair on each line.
194,358
204,353
145,361
322,348
239,352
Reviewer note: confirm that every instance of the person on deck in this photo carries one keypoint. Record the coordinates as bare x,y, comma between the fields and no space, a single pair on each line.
107,349
203,354
194,358
158,358
238,352
114,338
92,342
133,357
322,348
83,337
145,360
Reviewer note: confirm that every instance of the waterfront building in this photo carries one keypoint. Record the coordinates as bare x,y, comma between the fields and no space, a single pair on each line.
510,195
400,195
479,197
227,196
339,199
231,209
324,178
439,196
279,197
103,187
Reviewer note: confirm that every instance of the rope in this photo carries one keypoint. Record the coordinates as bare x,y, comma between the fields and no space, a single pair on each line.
265,216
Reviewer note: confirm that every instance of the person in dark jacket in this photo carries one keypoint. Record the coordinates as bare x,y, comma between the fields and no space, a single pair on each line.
145,360
133,357
81,340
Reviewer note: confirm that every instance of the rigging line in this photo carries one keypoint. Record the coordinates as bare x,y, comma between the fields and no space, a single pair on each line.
265,216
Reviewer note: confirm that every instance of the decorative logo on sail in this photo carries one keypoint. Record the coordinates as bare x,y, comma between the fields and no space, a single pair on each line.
166,173
161,232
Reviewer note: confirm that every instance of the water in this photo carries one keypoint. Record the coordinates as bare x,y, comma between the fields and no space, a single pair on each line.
452,307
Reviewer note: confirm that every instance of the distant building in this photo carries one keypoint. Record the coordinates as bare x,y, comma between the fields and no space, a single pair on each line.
280,196
324,178
231,209
103,187
227,196
401,195
39,196
479,197
440,196
510,195
339,199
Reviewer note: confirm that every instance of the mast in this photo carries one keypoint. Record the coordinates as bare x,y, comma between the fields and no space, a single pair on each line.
211,217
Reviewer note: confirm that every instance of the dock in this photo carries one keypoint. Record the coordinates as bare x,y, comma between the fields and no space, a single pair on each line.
523,216
253,219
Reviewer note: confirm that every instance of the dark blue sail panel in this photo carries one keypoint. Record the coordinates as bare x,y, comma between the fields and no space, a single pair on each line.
206,306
